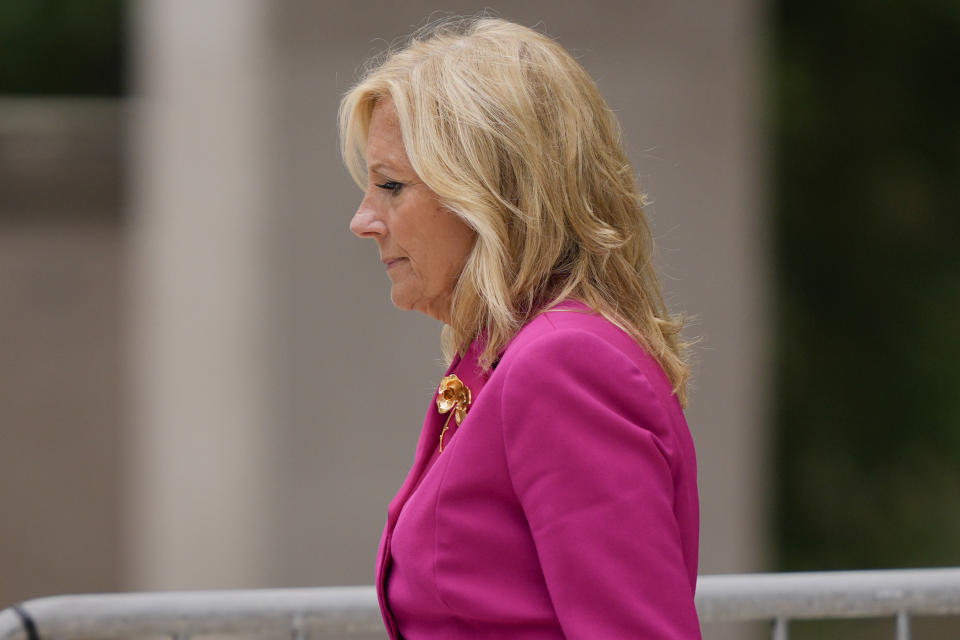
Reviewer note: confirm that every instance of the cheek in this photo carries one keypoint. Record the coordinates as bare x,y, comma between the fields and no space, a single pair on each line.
437,241
449,264
460,240
455,239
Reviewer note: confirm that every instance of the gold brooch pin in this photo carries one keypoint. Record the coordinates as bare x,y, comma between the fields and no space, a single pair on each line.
453,397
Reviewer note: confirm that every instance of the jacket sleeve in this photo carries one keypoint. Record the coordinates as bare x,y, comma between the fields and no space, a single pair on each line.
587,442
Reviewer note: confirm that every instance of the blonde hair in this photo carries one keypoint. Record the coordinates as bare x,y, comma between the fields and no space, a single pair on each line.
513,136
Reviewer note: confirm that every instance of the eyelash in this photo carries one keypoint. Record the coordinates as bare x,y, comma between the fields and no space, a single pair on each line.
391,185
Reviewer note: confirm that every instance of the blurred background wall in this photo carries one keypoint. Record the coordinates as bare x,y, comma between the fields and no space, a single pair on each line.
205,384
63,221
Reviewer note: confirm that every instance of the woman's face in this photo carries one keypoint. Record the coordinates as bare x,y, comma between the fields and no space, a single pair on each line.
423,245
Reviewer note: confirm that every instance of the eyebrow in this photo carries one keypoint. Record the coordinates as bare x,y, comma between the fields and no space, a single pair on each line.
376,166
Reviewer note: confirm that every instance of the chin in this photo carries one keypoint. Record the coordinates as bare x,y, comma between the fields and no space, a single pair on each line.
400,301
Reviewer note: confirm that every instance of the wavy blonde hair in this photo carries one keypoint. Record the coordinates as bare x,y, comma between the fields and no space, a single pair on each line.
513,136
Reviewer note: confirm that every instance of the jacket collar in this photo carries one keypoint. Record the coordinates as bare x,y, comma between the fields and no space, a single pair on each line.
466,368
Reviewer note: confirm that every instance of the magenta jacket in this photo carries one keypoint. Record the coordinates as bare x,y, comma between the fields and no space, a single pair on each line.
564,506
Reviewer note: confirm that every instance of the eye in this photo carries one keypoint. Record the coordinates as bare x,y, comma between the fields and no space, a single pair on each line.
391,185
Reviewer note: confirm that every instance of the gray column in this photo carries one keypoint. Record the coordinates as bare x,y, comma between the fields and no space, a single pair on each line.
198,452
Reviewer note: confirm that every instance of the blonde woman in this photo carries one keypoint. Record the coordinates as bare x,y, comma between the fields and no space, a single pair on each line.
553,493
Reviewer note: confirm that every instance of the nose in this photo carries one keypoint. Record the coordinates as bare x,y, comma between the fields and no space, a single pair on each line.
366,222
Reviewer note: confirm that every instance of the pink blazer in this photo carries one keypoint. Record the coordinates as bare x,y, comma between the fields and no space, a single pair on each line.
564,506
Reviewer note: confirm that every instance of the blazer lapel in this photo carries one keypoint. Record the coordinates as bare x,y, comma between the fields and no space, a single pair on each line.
429,437
467,369
425,447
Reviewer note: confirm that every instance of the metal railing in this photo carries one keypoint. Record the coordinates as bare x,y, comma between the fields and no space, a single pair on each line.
781,597
343,612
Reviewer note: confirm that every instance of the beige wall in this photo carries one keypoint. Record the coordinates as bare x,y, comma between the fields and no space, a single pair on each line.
61,442
274,395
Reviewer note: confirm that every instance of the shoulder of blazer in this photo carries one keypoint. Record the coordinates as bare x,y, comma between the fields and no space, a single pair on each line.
575,318
578,340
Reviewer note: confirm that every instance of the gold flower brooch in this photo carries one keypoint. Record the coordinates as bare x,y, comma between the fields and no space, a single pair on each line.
453,397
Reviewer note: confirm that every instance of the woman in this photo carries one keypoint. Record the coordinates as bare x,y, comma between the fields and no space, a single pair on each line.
553,493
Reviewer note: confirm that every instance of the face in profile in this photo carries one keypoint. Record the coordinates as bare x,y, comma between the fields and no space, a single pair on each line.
423,245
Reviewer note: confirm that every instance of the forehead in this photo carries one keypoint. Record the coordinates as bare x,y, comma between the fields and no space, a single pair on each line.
385,138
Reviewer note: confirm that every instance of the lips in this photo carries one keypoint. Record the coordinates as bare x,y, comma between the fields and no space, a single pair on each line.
391,262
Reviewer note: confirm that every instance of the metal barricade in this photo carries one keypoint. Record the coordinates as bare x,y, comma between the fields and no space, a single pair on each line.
328,612
781,597
351,612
